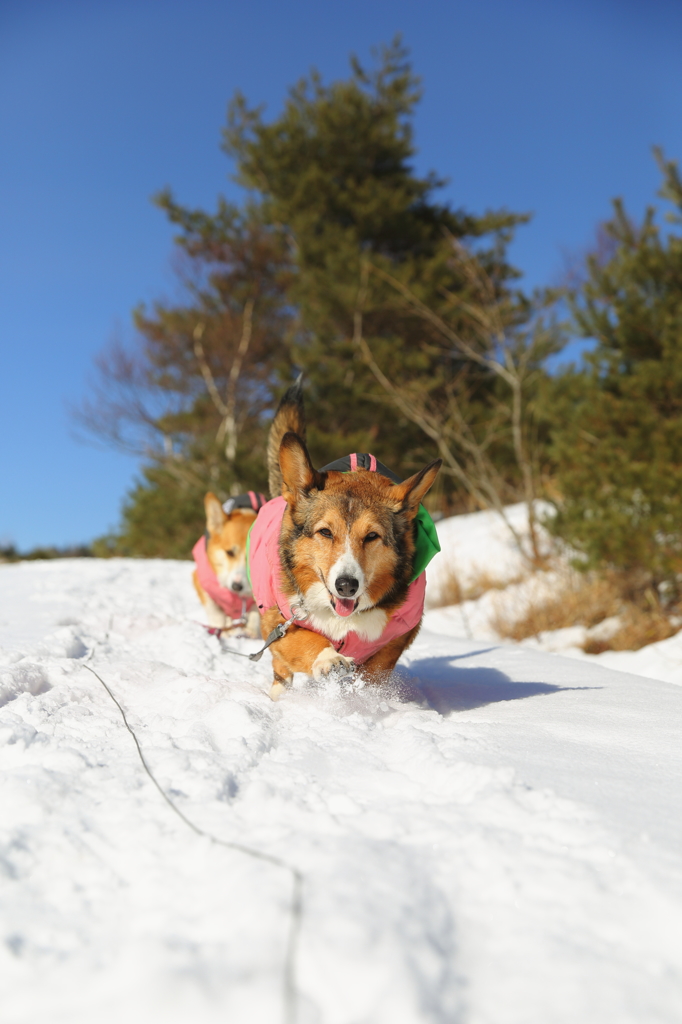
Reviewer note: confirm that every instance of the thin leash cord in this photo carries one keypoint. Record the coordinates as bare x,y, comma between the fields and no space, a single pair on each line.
277,633
290,991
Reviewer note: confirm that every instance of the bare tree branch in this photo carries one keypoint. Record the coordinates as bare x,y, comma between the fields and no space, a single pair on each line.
228,427
197,334
447,426
443,327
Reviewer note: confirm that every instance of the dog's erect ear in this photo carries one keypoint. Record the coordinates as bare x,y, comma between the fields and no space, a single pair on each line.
215,517
298,474
411,491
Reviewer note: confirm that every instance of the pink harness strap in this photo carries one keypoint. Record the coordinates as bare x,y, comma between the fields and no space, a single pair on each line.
265,573
257,500
226,599
354,463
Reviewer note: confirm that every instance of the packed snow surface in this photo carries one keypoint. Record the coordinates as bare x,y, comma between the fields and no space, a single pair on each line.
495,838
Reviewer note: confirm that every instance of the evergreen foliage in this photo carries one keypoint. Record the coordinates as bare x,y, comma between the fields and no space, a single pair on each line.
618,438
162,517
337,230
335,169
9,553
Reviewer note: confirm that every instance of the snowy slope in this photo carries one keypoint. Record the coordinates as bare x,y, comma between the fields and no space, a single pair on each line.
495,839
480,544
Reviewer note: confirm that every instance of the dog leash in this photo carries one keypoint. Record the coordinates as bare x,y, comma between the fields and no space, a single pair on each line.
277,633
219,630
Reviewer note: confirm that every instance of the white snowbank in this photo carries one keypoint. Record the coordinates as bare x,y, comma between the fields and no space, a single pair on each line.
494,840
480,543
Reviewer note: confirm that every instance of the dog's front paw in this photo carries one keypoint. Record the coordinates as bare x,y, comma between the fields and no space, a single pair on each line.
216,618
329,662
253,625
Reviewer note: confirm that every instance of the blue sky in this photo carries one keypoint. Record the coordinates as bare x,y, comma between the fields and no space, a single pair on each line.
537,105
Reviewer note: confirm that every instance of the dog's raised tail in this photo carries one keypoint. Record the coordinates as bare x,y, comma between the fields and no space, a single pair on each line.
290,416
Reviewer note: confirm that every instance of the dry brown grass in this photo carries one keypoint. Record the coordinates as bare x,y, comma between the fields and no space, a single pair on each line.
578,601
586,600
640,627
451,590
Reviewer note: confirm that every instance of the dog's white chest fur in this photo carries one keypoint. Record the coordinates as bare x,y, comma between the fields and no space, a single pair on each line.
369,625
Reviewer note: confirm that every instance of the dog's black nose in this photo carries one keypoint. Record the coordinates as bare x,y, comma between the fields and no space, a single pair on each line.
346,586
237,587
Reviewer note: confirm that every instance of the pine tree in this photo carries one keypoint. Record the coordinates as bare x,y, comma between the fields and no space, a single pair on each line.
336,223
618,442
335,169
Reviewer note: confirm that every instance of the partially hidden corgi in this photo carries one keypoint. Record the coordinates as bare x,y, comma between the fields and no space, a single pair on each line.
220,577
343,550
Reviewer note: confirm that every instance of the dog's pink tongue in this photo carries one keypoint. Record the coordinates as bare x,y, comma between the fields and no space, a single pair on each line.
344,606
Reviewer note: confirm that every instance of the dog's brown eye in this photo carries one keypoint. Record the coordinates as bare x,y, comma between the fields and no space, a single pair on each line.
372,536
324,532
231,552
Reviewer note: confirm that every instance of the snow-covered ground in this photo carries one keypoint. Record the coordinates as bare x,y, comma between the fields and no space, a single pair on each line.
480,545
494,839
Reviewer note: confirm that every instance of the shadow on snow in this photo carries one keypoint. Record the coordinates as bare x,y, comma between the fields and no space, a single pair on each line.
437,684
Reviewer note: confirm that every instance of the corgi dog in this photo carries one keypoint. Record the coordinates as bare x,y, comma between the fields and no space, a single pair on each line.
338,551
220,578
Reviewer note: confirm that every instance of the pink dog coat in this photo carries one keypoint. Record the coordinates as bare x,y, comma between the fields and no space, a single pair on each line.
232,604
265,575
225,598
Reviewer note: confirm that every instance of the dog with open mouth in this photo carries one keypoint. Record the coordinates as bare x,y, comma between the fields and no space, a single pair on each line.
338,556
